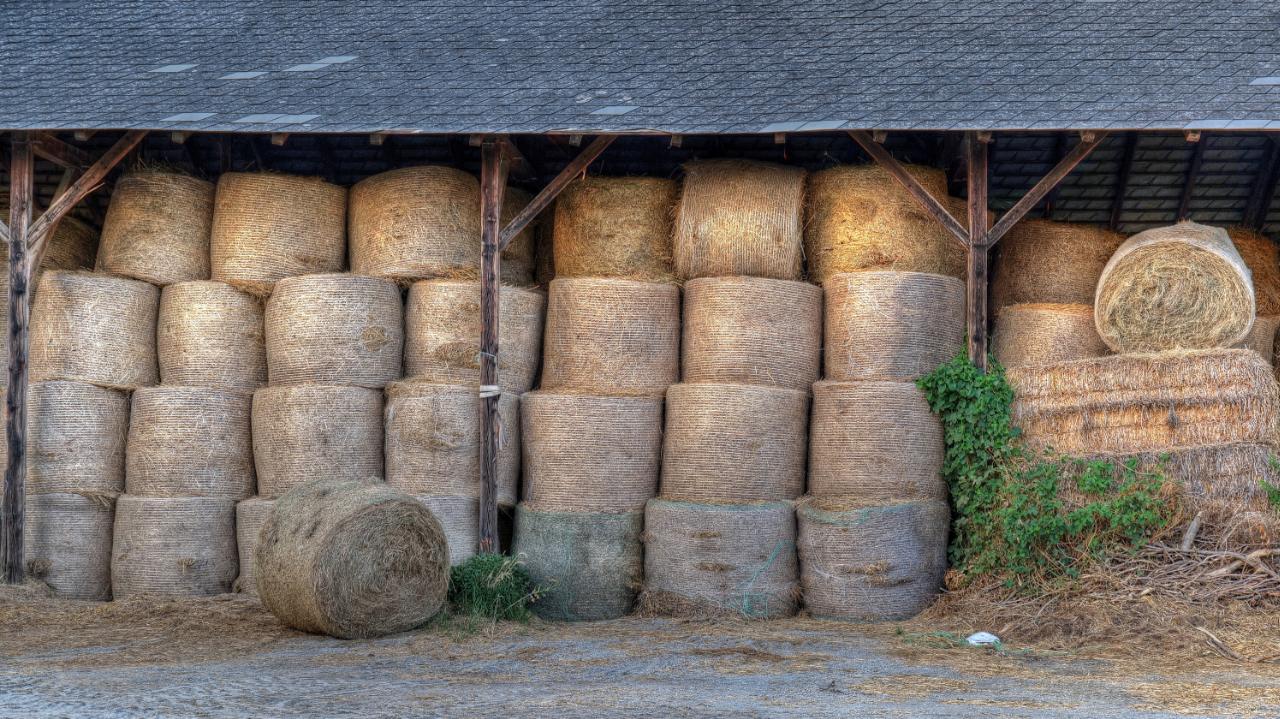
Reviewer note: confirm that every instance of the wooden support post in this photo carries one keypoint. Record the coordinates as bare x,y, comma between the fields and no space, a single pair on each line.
21,199
493,183
978,245
549,193
1193,171
899,173
1122,182
1264,189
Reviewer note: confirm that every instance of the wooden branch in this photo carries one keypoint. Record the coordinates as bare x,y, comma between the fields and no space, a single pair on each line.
899,173
1042,188
976,311
1122,182
59,152
549,193
21,200
493,184
1193,171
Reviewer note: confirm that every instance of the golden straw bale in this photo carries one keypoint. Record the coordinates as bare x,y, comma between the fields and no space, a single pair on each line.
334,329
75,438
174,546
250,515
442,334
891,325
211,335
1038,334
1262,337
157,228
305,431
268,226
739,217
612,337
73,247
1262,257
67,542
752,330
460,517
1044,262
615,227
190,442
1178,287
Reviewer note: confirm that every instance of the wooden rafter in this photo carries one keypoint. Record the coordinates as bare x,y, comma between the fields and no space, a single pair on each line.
549,193
899,173
1122,181
493,184
60,153
1264,189
1193,172
1088,143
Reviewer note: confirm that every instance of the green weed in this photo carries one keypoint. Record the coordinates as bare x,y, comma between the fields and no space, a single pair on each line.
494,586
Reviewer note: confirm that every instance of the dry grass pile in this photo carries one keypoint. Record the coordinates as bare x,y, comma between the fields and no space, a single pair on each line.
615,227
73,247
157,228
211,335
176,546
67,540
250,515
1039,334
1055,263
307,431
75,438
1262,257
460,517
591,564
1262,337
190,442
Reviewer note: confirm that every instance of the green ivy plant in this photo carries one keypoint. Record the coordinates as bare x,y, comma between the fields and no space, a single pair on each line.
491,585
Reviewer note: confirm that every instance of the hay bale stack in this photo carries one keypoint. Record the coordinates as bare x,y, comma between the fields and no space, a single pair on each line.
1138,402
544,242
612,337
1262,257
460,517
591,563
734,443
67,539
73,247
95,329
307,431
1039,334
1179,287
250,515
175,546
891,325
615,227
190,442
871,562
433,441
157,228
75,434
211,335
442,334
752,330
268,226
876,441
351,559
1044,262
334,329
1262,337
585,453
739,217
517,265
732,561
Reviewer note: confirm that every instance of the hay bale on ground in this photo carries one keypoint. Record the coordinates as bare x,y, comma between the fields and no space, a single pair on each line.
433,441
75,435
157,228
615,227
1262,257
1262,338
268,226
1139,402
460,517
734,443
739,217
1179,287
1055,263
871,562
307,431
95,329
585,453
334,329
706,560
442,334
211,335
752,330
190,442
175,546
876,441
891,325
1038,334
612,337
352,559
250,515
591,563
67,539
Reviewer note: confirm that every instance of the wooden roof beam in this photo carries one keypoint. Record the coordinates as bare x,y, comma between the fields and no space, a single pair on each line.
549,193
60,153
1193,171
1264,189
1122,182
899,173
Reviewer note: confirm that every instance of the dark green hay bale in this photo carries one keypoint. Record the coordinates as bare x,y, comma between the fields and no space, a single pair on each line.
588,564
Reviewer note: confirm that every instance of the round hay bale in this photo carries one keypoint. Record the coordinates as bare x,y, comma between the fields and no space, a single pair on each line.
334,329
306,431
67,539
586,453
157,228
709,560
544,242
1262,257
75,434
877,441
1179,287
752,330
352,559
517,263
615,227
734,443
1262,337
190,442
1040,334
95,329
891,325
442,334
176,546
73,247
612,337
739,217
268,226
211,335
460,517
250,514
1044,262
433,441
592,564
871,562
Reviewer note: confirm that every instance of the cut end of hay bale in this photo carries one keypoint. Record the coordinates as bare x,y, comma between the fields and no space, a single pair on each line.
1045,333
615,227
1040,261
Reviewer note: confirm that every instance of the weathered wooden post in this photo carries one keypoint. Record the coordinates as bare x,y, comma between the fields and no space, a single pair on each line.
976,149
493,184
21,191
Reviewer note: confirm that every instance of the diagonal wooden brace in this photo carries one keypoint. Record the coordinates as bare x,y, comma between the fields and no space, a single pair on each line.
1045,185
934,207
549,193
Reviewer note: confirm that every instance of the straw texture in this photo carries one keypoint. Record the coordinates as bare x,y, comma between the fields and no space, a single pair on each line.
1039,334
460,517
352,559
1044,262
739,217
211,335
190,442
592,564
157,228
309,431
334,329
1262,257
615,227
544,242
891,325
1262,337
73,247
752,330
67,540
250,515
75,438
175,546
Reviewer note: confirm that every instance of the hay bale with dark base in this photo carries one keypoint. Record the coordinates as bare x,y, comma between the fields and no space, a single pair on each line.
67,540
157,228
615,227
1262,257
460,517
250,515
190,442
739,217
75,438
1179,287
752,330
175,546
1262,337
1056,263
308,431
211,335
871,562
352,559
1038,334
592,564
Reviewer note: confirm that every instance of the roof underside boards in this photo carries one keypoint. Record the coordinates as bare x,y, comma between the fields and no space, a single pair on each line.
682,67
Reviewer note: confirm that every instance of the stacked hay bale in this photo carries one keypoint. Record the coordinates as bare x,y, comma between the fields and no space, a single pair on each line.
1262,257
